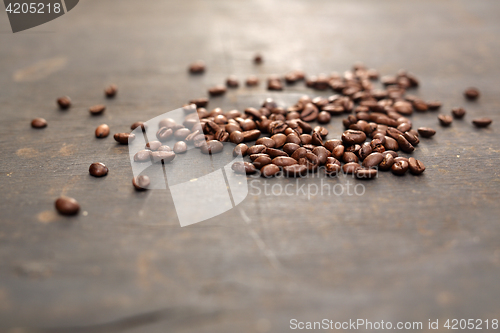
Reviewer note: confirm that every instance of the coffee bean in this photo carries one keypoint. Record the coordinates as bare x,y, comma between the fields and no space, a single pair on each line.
412,138
240,149
458,113
349,157
141,182
299,153
274,83
401,158
198,140
290,148
142,156
197,67
232,82
143,125
269,170
279,140
251,135
124,138
366,173
420,105
324,117
164,148
295,170
244,168
310,112
386,163
181,134
258,59
350,168
338,151
253,157
252,81
399,168
426,132
221,135
97,109
311,161
283,161
275,152
98,170
434,105
471,93
165,156
153,145
331,144
378,147
276,127
111,91
405,145
366,149
322,154
403,107
482,122
212,147
168,123
199,102
393,133
416,166
217,90
164,134
445,120
316,139
40,123
257,149
373,160
236,137
293,138
391,152
404,127
64,102
261,161
351,137
332,170
67,206
180,147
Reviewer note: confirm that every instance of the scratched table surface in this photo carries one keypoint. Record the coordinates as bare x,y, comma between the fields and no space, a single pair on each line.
408,249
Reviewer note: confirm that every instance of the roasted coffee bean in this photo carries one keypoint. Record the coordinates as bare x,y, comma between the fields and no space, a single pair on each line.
181,134
269,170
258,59
261,161
111,91
420,105
244,168
97,109
322,154
192,135
482,122
306,139
405,145
366,149
189,109
379,136
124,138
306,128
180,147
248,125
217,90
257,149
334,110
390,144
153,145
413,139
168,123
445,120
98,170
426,132
321,130
164,148
351,137
338,151
458,113
332,170
299,153
403,107
251,135
252,81
231,127
142,156
67,206
253,157
221,135
212,147
416,167
393,133
311,161
137,124
102,131
275,152
240,149
232,82
434,105
399,168
165,156
295,170
349,157
377,145
471,93
236,137
64,102
283,161
330,144
366,173
293,138
309,147
199,102
386,163
332,160
219,120
404,127
279,140
324,117
401,158
350,168
141,183
41,123
316,139
391,152
373,160
353,149
276,127
310,112
290,148
197,67
164,134
198,140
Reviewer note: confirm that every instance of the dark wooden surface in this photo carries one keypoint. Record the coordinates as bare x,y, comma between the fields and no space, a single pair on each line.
409,249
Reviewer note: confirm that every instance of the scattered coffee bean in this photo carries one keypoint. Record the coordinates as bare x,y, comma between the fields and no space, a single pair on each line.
64,102
445,120
352,137
270,170
153,145
162,156
366,173
180,147
137,124
405,145
386,163
349,157
351,168
197,67
39,123
97,109
252,81
244,168
111,91
482,122
471,93
232,82
373,160
98,170
141,183
67,206
332,169
199,102
258,59
283,161
434,105
416,167
236,137
426,132
295,170
261,161
217,90
458,113
279,140
212,147
124,138
399,168
251,135
240,149
257,149
324,117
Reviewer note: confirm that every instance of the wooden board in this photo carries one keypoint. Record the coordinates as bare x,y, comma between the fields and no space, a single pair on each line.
408,249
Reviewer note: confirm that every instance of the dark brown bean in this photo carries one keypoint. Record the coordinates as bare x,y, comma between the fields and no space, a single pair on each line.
212,147
251,135
412,138
261,161
316,139
244,168
310,112
283,161
324,117
180,147
366,173
199,102
332,170
295,170
265,141
482,122
217,90
124,138
252,81
458,113
471,93
258,59
197,67
434,105
137,124
279,140
306,139
67,206
350,168
445,120
97,109
338,151
42,123
366,149
349,157
236,137
98,170
275,152
399,168
293,138
393,132
64,102
232,82
322,154
426,132
299,153
141,183
240,149
253,157
405,145
330,144
373,160
378,147
111,91
386,163
351,137
257,149
416,167
290,148
269,170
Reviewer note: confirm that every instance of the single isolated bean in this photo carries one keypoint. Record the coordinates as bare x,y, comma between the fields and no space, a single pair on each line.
39,123
111,91
445,120
97,109
426,132
472,93
137,124
141,182
98,170
64,102
416,167
399,168
67,206
458,113
124,138
197,67
482,122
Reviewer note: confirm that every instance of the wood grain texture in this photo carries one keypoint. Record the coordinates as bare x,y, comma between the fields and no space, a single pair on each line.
409,249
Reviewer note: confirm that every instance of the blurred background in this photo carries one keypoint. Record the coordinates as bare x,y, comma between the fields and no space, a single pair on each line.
410,249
